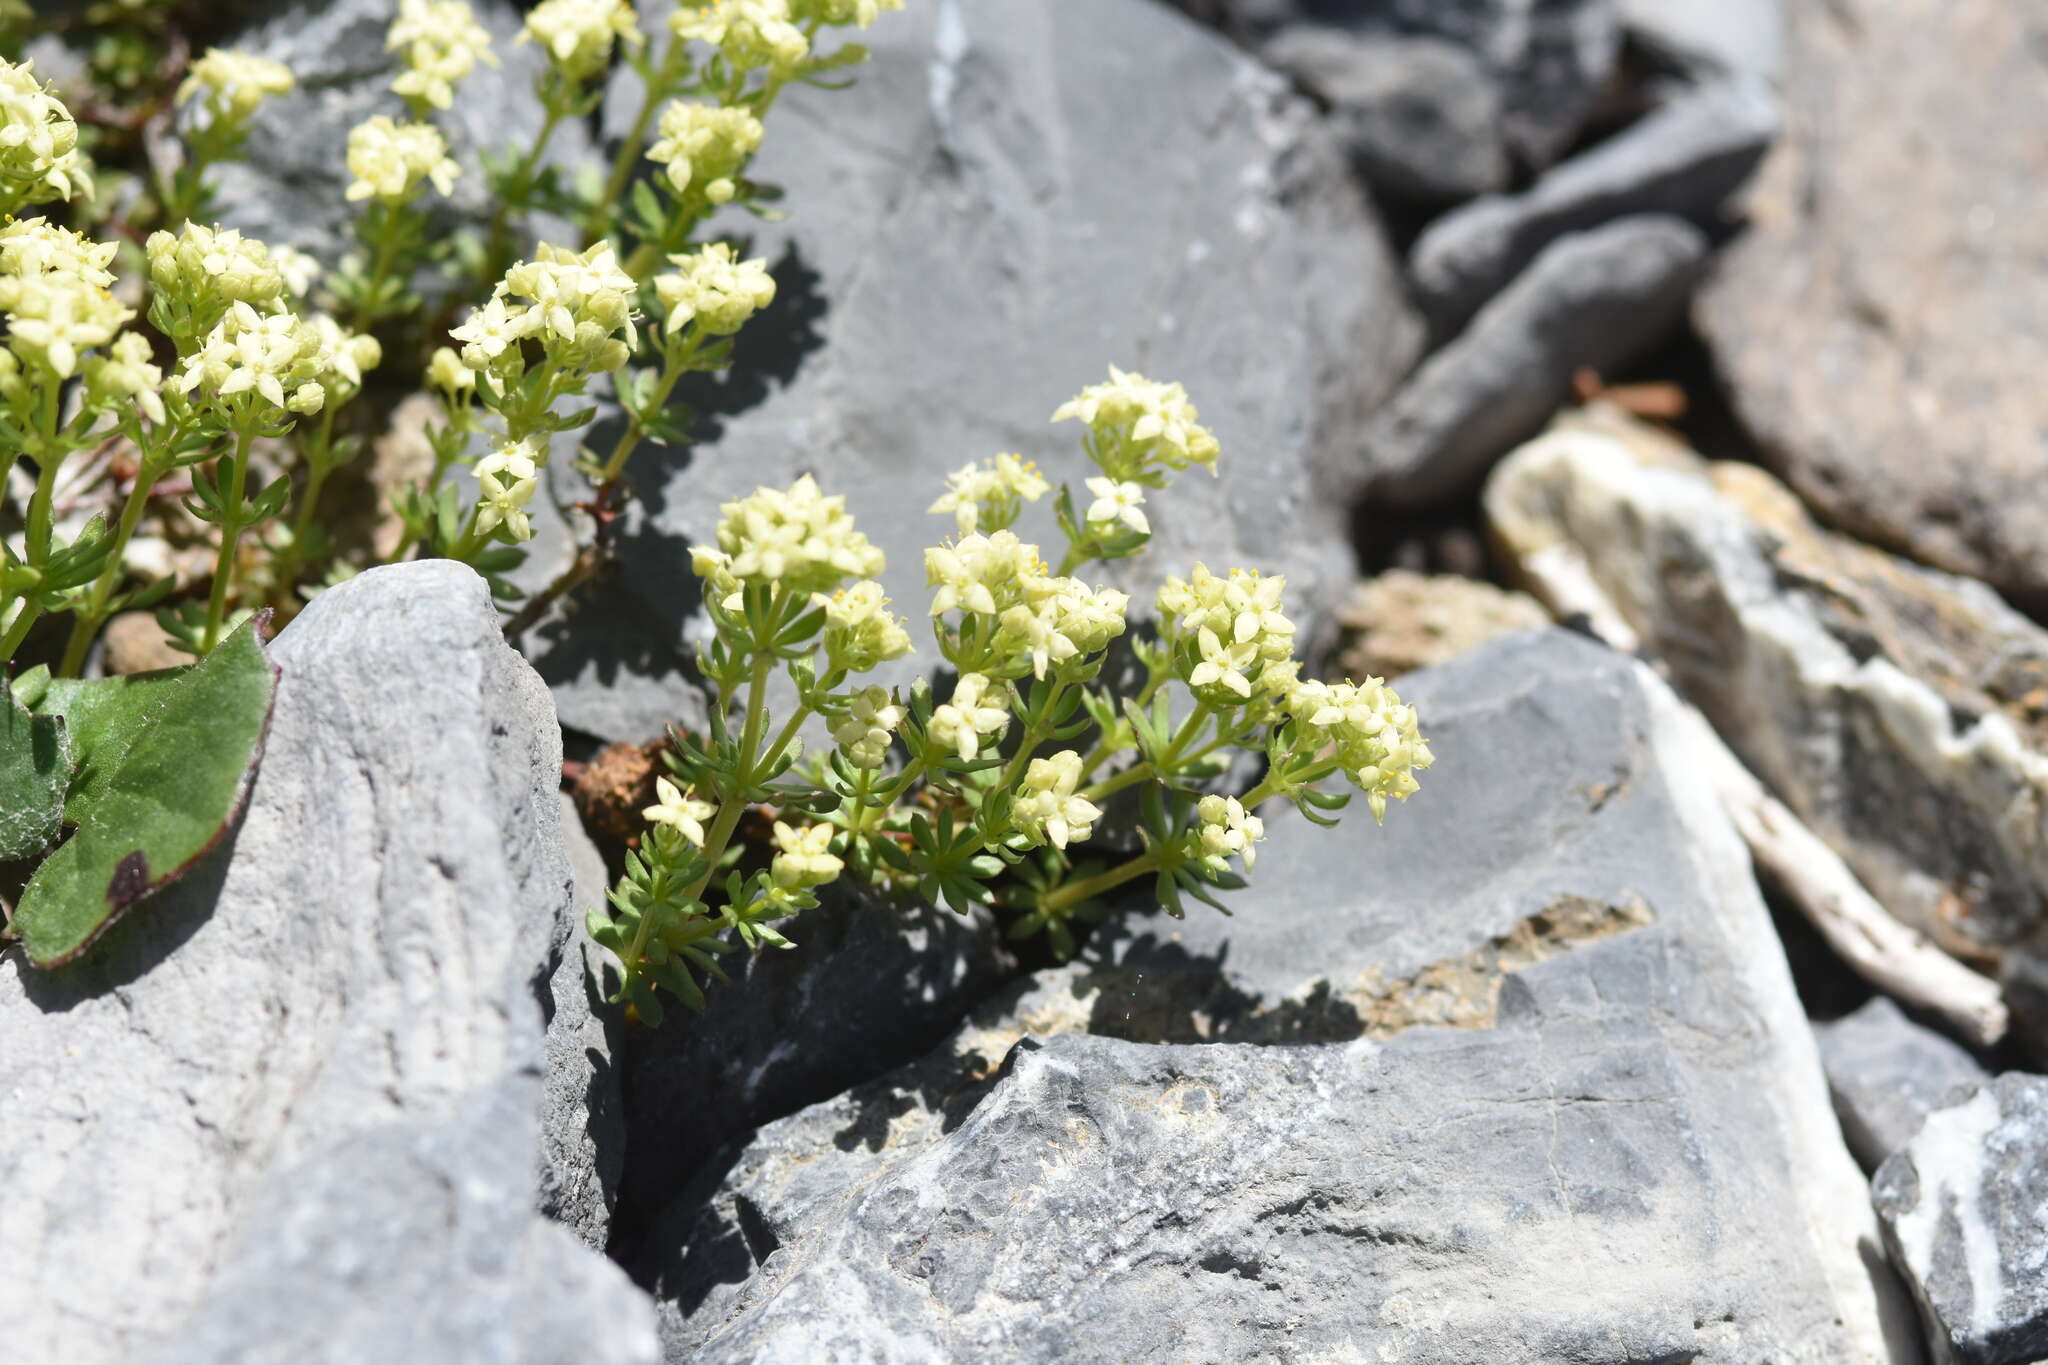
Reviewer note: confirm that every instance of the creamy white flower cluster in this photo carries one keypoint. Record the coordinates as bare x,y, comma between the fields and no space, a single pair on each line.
1032,620
1233,638
39,156
751,35
440,42
56,292
989,495
703,146
970,717
577,305
841,13
505,480
253,359
578,35
234,85
1374,734
803,859
682,812
1138,427
1226,828
864,731
199,272
860,630
796,539
389,160
1049,810
714,290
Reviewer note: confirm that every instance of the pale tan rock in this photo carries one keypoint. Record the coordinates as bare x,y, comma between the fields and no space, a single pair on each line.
135,643
1900,711
1400,621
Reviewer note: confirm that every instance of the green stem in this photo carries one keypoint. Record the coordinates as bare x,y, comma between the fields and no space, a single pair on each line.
1073,893
366,314
230,537
658,80
1167,761
1268,788
1034,735
87,622
41,518
495,256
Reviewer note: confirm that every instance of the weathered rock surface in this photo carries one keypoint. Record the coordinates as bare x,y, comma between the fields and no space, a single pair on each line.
1418,115
292,1112
1744,37
1591,300
287,187
1550,60
1619,1151
1398,621
1011,198
1887,1074
869,986
1901,712
583,1121
1685,158
1883,326
1965,1210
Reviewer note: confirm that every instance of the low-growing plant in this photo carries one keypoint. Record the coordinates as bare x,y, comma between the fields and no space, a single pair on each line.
996,791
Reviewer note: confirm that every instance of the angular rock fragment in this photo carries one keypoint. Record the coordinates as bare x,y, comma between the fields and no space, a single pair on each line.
1685,159
1550,1098
1901,712
1010,199
1591,300
1965,1210
293,1111
1886,1074
1883,325
1400,621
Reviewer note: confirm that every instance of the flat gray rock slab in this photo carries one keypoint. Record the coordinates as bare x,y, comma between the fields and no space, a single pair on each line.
1965,1210
1550,1098
1589,300
1883,326
291,1111
1886,1074
1010,199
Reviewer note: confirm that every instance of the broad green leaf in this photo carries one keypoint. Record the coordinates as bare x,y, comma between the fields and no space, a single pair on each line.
163,761
35,768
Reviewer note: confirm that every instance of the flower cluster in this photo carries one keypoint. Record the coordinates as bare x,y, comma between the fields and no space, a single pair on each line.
799,540
803,860
870,721
389,160
713,290
1226,828
683,813
1138,427
39,156
253,359
1232,635
988,496
1050,811
1373,733
969,718
860,630
1032,620
578,305
440,42
578,35
234,85
751,35
56,292
703,146
841,13
347,354
125,374
505,480
200,272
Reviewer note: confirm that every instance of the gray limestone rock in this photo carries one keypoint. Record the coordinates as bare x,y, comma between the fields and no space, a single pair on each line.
1965,1211
1417,115
1886,1074
1590,300
1549,1097
1900,712
1685,158
1010,199
1882,328
583,1122
287,187
1744,37
292,1112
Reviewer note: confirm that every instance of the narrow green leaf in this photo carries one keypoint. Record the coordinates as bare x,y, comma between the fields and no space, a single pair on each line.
163,761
